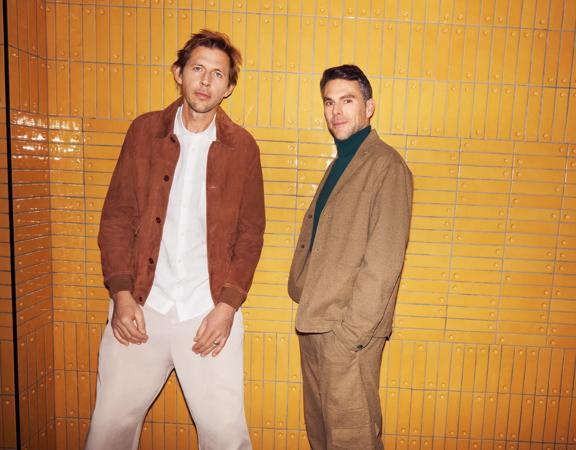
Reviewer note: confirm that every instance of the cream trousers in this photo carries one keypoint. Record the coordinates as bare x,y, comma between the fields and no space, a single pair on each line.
130,377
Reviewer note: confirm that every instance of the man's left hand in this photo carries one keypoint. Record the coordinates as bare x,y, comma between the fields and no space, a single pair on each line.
214,330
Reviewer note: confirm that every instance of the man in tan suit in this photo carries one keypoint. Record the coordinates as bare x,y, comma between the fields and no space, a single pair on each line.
346,270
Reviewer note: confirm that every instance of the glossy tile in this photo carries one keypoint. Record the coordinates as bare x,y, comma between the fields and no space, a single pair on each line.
482,90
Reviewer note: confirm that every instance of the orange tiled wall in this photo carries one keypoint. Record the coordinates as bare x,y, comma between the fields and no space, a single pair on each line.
7,387
31,176
479,96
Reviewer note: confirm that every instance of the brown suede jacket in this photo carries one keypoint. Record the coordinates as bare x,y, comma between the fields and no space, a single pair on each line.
135,207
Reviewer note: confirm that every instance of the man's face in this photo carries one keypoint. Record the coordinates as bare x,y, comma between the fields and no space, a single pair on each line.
345,109
204,80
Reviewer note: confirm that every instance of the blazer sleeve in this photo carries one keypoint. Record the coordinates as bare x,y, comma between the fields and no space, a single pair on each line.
118,223
376,285
250,234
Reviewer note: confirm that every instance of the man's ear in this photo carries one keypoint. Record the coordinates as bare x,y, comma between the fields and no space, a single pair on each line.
229,91
370,107
177,72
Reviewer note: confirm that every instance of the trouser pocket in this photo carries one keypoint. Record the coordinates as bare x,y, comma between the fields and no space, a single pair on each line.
347,411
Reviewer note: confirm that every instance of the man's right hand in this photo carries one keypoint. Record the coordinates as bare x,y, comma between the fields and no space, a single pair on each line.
128,320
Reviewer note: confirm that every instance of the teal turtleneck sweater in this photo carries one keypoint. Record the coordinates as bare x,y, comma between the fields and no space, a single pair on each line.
346,151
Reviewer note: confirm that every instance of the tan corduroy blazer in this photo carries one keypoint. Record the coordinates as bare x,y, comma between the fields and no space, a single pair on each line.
349,281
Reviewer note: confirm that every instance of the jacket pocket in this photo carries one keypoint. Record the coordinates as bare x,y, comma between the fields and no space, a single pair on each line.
350,216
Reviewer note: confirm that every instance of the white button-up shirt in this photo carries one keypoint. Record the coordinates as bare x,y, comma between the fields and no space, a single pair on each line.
181,276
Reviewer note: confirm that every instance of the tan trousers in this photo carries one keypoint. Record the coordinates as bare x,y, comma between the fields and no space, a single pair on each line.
341,401
130,378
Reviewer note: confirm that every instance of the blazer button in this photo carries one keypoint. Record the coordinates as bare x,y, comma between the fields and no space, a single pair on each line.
309,216
166,177
150,261
141,299
158,220
302,246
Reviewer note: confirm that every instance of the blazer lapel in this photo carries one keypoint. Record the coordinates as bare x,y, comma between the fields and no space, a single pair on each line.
354,165
321,185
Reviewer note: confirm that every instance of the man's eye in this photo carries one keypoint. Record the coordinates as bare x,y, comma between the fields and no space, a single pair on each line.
218,74
196,68
327,103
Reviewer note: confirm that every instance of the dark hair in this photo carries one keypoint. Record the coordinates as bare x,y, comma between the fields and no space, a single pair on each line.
347,72
211,39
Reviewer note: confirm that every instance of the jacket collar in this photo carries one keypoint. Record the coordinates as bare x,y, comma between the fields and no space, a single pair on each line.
356,162
224,125
369,142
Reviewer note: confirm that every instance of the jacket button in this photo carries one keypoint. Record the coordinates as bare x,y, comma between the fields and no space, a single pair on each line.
309,216
173,138
150,260
141,299
166,177
158,220
302,246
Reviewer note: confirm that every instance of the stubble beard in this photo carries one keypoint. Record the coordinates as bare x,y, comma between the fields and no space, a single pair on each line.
201,108
344,134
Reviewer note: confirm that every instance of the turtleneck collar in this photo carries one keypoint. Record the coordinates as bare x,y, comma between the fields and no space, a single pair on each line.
348,147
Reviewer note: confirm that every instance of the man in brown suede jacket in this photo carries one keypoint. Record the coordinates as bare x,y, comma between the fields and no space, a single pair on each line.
180,236
346,270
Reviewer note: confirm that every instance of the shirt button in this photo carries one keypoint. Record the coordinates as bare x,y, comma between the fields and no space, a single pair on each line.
166,177
150,260
158,220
